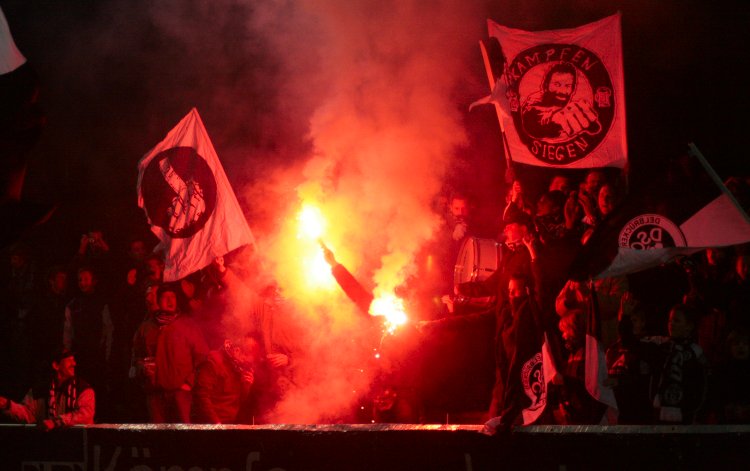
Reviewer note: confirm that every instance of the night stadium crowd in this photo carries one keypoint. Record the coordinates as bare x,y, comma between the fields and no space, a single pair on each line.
676,337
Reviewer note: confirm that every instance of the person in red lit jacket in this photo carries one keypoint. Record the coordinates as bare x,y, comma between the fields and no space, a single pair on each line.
229,383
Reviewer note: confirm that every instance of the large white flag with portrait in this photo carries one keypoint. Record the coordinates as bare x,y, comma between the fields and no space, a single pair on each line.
188,200
559,94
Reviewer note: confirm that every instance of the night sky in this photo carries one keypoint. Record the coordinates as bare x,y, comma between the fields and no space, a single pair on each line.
116,75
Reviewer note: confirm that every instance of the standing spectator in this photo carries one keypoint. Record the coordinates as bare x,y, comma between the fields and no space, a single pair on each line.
62,401
588,196
88,330
520,394
180,348
47,317
229,383
143,359
739,293
561,183
516,262
93,252
19,294
518,207
632,365
609,292
608,199
575,404
154,269
683,379
731,401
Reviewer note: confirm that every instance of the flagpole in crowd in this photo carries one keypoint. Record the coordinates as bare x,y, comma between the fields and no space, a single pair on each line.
509,174
693,150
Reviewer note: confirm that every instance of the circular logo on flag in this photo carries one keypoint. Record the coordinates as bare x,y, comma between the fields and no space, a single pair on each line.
651,231
179,191
561,100
532,379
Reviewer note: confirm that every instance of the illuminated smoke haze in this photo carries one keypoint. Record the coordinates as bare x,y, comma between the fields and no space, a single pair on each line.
350,105
378,79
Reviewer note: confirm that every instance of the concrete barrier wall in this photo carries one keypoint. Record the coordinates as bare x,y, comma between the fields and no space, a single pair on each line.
370,447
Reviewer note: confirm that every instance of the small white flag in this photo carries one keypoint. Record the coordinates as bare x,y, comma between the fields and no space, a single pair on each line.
10,57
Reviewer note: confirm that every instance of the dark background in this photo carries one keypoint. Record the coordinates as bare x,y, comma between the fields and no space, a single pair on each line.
114,81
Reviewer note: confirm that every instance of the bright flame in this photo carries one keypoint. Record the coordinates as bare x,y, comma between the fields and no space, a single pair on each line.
311,222
318,271
310,229
390,307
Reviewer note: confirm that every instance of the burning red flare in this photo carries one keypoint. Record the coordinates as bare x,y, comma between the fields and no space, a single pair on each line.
391,308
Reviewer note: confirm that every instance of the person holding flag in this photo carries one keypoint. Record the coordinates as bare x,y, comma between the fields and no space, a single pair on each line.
694,212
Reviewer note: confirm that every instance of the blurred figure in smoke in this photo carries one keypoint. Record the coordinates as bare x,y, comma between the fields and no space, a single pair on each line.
273,321
230,383
396,393
436,261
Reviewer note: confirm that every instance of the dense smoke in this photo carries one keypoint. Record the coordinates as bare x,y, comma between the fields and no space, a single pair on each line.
383,129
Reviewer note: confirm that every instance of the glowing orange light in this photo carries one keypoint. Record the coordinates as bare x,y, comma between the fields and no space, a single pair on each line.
317,269
310,229
391,308
311,222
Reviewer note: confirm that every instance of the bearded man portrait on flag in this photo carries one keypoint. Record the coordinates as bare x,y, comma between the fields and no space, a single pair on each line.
559,94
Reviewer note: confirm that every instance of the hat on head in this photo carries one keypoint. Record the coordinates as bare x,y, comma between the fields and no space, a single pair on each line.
61,354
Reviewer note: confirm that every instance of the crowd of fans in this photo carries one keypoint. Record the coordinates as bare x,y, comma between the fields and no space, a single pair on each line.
676,337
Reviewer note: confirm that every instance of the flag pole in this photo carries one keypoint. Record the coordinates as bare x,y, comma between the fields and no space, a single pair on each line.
509,174
693,150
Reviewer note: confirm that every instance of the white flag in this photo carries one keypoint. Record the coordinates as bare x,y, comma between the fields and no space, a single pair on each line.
561,95
653,228
10,57
188,201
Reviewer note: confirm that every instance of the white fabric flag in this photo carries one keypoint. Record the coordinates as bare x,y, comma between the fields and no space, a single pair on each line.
561,96
188,200
652,229
10,57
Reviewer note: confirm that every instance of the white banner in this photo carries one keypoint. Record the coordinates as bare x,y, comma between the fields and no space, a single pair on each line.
10,57
561,97
188,200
